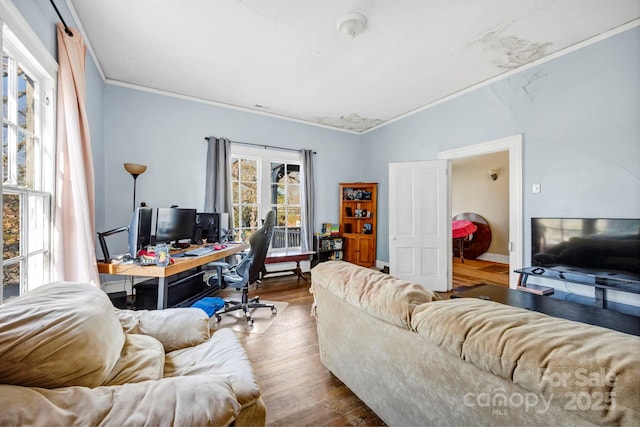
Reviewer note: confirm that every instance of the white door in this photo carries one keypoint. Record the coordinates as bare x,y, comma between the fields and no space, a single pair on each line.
420,224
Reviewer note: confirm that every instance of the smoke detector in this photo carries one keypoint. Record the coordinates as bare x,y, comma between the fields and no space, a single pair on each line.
352,24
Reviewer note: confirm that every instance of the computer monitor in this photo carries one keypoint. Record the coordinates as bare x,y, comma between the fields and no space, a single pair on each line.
210,226
139,230
174,224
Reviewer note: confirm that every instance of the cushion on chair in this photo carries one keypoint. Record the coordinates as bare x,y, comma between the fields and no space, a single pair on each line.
175,328
142,359
60,334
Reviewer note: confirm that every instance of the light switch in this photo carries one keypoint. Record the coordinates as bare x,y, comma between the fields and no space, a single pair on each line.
535,189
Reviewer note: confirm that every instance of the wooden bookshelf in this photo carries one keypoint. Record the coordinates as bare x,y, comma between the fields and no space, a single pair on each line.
358,222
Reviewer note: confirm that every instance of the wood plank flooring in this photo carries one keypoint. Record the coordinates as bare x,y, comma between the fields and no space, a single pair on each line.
297,389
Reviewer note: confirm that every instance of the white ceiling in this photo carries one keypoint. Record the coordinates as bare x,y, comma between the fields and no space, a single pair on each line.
287,58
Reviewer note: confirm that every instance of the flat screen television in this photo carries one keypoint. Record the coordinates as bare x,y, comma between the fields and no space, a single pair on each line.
139,230
602,247
174,224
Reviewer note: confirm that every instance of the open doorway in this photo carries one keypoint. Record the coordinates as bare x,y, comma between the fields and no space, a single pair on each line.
476,155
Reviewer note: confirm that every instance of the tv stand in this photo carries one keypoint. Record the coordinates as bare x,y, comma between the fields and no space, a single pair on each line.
600,281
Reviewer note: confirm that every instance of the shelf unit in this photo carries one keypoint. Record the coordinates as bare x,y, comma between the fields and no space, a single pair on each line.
358,222
327,248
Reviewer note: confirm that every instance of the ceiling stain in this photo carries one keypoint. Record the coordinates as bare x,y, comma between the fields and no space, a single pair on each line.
513,51
351,122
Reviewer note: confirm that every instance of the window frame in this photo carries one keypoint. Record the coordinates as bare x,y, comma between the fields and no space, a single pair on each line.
36,200
266,156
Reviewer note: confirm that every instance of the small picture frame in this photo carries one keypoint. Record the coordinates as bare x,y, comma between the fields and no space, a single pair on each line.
369,214
349,211
367,228
364,213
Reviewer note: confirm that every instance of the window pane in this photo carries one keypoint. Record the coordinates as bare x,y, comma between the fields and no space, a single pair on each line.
293,174
234,192
293,194
293,237
293,216
248,170
25,101
10,281
278,241
277,194
37,218
235,165
5,85
249,193
277,172
25,160
249,217
11,226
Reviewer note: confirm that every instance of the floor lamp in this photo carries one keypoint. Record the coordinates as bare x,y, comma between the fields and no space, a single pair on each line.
135,170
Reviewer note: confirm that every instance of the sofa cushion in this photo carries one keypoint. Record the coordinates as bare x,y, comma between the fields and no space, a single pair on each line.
142,359
381,295
558,358
175,328
222,355
60,334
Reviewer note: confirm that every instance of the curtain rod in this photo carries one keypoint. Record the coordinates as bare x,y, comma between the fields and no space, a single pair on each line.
66,28
262,145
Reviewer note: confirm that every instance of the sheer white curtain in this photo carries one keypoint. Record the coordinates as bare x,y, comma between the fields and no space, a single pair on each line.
73,251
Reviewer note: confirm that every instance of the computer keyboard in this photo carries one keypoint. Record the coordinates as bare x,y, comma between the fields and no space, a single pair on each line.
199,251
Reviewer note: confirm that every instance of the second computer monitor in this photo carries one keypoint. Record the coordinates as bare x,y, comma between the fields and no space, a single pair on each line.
139,230
211,226
174,224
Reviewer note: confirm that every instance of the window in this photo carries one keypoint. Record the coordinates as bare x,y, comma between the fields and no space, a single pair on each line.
27,162
256,173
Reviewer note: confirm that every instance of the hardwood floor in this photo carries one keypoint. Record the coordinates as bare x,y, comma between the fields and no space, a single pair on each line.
297,389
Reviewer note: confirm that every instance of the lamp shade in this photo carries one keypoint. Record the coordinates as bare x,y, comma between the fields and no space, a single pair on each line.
135,168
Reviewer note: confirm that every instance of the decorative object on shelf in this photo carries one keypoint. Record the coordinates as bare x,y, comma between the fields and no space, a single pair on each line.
135,170
348,211
367,228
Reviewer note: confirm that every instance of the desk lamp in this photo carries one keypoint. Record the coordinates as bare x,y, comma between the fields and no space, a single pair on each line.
135,170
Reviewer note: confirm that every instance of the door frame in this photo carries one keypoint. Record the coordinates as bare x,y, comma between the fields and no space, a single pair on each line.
512,144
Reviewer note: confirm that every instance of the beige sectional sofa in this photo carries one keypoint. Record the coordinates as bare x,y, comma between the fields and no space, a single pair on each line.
68,357
418,360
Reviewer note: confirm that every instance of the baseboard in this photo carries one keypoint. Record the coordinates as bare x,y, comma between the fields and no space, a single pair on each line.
502,259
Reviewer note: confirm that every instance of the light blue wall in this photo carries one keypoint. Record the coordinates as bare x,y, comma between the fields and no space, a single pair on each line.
579,115
43,19
167,134
580,119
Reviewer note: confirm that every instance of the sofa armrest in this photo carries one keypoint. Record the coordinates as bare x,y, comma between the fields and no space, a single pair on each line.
210,400
175,328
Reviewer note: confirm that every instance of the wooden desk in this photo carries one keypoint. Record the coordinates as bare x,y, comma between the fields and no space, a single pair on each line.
288,256
164,273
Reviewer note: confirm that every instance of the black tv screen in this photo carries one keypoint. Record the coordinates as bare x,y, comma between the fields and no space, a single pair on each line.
174,224
606,247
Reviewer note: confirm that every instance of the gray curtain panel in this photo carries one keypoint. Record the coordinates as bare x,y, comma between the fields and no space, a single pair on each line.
218,197
309,204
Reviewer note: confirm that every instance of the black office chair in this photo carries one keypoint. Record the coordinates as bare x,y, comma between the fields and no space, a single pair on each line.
247,271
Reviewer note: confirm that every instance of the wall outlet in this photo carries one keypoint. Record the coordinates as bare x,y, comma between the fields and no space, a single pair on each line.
535,189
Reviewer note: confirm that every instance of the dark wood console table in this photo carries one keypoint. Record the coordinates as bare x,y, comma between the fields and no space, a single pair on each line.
600,281
288,256
553,307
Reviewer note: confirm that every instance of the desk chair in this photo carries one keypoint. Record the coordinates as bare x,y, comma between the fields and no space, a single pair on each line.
247,271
